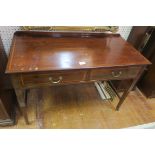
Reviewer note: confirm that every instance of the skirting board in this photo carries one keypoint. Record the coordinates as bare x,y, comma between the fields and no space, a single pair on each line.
143,126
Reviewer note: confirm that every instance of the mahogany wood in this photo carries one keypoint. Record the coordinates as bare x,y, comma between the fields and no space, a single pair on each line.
137,34
52,58
46,51
138,38
129,89
147,82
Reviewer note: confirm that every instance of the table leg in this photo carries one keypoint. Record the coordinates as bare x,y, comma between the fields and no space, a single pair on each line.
126,92
21,97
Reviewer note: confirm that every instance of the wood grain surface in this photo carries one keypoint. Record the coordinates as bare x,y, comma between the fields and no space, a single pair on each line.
46,51
54,52
80,106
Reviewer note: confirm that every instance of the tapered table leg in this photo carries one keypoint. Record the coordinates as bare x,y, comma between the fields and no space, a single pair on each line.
21,97
24,113
126,92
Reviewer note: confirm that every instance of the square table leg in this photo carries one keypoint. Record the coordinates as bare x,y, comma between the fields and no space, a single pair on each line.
126,92
21,97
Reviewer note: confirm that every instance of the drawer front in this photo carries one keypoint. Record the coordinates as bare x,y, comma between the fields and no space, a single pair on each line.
29,80
114,74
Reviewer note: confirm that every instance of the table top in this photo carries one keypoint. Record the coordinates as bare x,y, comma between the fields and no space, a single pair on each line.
50,51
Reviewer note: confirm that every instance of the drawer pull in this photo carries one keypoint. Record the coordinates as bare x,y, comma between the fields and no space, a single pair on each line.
116,74
58,81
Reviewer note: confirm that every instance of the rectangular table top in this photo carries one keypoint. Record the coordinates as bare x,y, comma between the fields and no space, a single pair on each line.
49,51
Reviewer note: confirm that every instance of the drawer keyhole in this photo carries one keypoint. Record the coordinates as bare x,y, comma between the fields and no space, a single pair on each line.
55,81
116,74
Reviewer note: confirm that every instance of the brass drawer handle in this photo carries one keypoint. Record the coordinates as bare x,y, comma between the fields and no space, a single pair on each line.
116,74
58,81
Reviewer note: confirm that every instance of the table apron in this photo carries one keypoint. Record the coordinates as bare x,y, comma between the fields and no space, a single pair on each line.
44,79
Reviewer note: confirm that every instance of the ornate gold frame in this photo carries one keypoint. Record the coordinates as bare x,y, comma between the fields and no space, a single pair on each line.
73,28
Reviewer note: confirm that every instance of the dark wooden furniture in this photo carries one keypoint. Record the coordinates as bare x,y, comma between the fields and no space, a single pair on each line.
137,36
53,58
147,82
7,95
143,39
